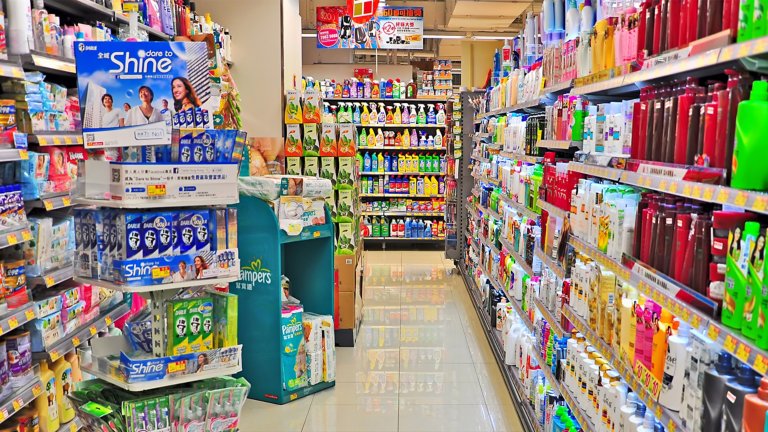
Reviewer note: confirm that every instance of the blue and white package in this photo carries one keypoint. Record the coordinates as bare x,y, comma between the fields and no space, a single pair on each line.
208,141
129,233
199,117
149,234
185,146
141,75
225,145
198,148
188,231
165,225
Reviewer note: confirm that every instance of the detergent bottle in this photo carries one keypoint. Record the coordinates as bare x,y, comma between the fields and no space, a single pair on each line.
431,118
406,116
46,404
373,118
356,115
421,117
413,114
389,119
440,115
406,141
382,114
397,118
62,371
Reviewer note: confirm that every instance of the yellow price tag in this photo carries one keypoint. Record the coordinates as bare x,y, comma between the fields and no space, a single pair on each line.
161,272
108,320
48,204
24,154
56,140
744,49
673,187
761,364
742,352
55,355
72,427
67,201
36,390
29,314
671,426
659,411
687,190
50,281
696,193
695,321
75,341
730,344
722,196
156,190
93,330
26,235
13,322
663,185
17,404
713,332
12,239
741,199
760,204
3,414
708,193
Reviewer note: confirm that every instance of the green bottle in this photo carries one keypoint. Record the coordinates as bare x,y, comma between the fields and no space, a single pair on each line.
750,152
761,332
754,293
737,272
746,17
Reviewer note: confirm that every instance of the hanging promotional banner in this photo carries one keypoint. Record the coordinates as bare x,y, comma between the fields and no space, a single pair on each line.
362,11
391,28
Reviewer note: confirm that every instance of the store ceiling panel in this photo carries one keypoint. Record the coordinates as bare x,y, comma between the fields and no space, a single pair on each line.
485,15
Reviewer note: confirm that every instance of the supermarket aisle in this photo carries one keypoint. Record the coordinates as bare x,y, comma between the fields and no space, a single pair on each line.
421,362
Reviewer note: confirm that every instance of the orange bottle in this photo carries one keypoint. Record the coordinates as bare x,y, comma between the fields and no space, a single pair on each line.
755,407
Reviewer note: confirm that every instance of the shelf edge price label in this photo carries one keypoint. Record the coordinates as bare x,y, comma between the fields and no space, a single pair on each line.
108,320
50,281
730,344
36,390
75,341
26,235
13,322
12,239
3,414
29,314
55,355
93,330
67,201
73,427
742,352
156,190
713,332
761,364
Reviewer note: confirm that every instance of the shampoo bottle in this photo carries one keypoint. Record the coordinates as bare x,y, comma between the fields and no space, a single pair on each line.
676,363
46,404
715,380
62,371
746,169
753,295
737,270
755,407
733,403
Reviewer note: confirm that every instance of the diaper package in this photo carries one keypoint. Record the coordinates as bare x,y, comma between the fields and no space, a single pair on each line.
293,352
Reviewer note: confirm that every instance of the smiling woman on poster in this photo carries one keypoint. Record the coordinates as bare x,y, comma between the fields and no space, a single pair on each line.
184,96
144,113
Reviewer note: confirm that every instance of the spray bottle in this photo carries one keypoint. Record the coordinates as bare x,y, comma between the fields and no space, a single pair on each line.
365,115
382,114
439,139
389,119
397,118
356,115
421,118
373,118
440,115
431,118
406,115
412,120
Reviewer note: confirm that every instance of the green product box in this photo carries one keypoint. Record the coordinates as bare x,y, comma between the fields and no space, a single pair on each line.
293,165
177,327
311,167
331,201
328,169
345,205
200,319
311,140
225,319
345,179
347,238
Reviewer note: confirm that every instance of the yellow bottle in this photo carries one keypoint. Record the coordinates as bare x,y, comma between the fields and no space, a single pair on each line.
627,323
62,371
371,138
381,162
406,141
659,356
401,162
412,186
398,117
364,116
74,360
46,404
432,186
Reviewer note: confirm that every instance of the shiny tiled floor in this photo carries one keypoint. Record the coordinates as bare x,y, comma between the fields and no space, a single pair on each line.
421,362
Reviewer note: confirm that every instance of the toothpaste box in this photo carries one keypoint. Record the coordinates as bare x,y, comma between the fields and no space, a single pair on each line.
177,331
98,252
231,228
129,235
186,146
192,233
218,229
70,297
157,237
200,320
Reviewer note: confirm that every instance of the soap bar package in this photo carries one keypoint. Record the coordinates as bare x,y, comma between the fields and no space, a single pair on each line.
134,71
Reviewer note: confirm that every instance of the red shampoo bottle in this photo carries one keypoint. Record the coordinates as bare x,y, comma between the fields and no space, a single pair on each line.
684,102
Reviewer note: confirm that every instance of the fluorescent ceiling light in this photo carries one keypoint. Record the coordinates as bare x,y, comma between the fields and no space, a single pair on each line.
444,37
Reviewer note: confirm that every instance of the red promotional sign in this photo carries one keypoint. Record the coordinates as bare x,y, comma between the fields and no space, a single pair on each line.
362,11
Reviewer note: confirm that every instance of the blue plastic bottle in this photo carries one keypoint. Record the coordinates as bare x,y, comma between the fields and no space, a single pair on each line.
387,163
408,228
431,118
374,163
367,163
428,230
421,229
393,164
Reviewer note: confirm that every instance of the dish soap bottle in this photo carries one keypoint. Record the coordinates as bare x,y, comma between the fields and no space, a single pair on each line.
46,405
736,273
746,169
62,371
362,139
356,114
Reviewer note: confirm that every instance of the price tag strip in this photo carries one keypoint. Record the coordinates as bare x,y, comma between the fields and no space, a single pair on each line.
21,398
554,323
525,211
85,332
518,259
17,317
556,268
11,238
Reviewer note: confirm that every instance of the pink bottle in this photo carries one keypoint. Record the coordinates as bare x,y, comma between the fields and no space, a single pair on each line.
640,345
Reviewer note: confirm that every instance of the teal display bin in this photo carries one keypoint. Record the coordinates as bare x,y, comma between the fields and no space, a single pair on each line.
266,253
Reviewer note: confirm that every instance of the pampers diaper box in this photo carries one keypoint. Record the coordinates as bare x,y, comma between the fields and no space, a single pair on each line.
120,82
293,352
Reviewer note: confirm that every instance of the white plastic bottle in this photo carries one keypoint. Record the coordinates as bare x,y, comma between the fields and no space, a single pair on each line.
637,418
572,19
648,423
548,15
671,395
627,411
587,17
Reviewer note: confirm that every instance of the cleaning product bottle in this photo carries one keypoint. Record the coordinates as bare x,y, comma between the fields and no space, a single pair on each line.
736,390
397,117
389,118
626,411
737,270
422,140
406,138
658,356
439,140
62,371
440,115
587,17
747,170
379,138
762,311
431,117
379,162
406,117
413,115
572,21
714,386
362,139
755,407
46,404
367,162
365,115
430,141
753,295
373,118
676,363
414,135
356,114
371,138
628,323
375,90
421,117
382,120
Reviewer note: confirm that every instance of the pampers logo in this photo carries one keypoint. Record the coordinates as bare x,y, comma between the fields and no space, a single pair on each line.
255,273
147,62
292,327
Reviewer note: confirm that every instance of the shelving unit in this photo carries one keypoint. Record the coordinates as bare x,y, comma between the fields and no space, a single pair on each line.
21,397
268,253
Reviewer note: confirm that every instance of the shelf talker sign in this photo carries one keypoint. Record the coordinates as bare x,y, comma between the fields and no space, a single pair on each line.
389,28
